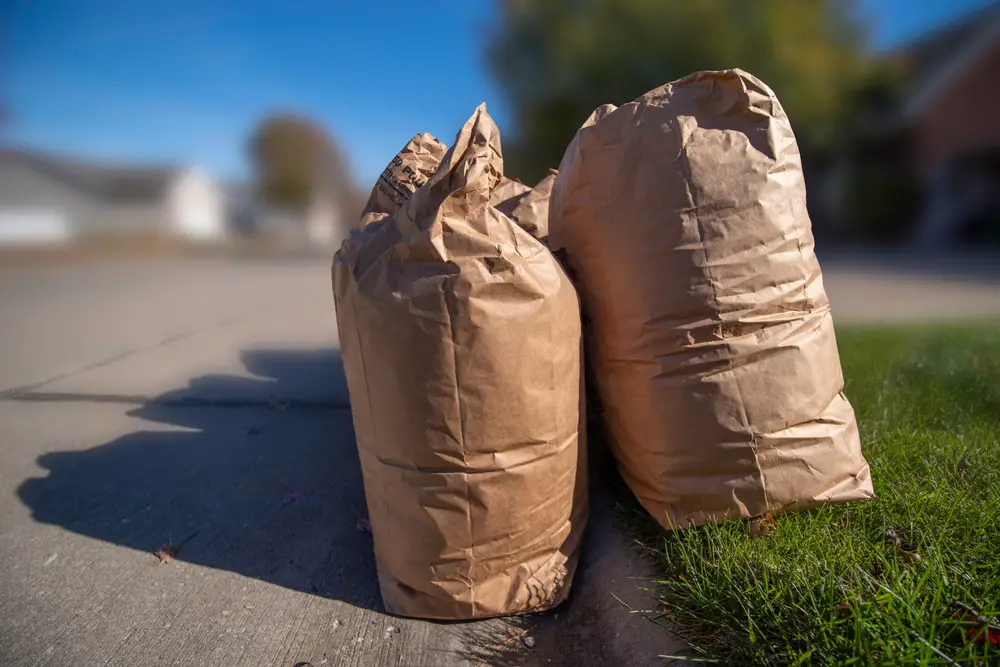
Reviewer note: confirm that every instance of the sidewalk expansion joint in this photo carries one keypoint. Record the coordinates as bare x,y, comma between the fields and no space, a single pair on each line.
272,402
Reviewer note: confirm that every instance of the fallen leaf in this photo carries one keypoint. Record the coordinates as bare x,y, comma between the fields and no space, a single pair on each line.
982,630
165,554
991,635
363,525
904,550
761,525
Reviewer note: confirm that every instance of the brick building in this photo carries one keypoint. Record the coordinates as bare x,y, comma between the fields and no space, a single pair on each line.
952,116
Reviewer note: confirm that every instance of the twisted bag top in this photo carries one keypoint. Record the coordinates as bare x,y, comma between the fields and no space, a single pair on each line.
461,342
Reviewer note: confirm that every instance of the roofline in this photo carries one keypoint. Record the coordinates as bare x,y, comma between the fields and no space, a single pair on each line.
983,14
29,150
938,82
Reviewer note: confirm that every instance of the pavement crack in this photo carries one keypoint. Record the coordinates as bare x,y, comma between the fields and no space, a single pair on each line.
173,401
123,355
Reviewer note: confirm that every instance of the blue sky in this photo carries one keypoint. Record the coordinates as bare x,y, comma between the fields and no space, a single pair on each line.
186,80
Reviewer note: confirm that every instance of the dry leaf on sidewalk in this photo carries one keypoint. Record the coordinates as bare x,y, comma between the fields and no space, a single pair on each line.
165,554
168,551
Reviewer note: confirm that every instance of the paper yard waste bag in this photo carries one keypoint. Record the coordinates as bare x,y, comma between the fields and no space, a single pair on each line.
683,217
460,336
407,172
528,207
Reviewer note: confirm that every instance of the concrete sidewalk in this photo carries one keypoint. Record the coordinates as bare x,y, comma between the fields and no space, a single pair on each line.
878,287
202,405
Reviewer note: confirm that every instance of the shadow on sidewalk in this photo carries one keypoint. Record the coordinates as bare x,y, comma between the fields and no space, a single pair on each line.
258,486
272,489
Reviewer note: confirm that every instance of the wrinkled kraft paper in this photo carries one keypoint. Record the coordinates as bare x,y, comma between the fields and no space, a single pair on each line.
683,217
460,335
528,207
407,172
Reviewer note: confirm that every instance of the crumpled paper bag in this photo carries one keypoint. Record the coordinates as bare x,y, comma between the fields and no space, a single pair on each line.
460,337
683,217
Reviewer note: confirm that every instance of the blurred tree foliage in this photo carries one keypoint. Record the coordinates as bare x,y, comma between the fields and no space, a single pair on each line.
295,161
557,60
880,198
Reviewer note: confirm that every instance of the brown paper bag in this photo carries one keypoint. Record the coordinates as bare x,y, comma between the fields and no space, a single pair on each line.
683,217
407,172
460,336
528,207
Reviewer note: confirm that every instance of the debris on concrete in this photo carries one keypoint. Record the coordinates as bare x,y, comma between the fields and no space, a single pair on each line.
165,554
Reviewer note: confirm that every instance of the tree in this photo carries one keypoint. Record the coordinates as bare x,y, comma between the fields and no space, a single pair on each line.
295,161
557,60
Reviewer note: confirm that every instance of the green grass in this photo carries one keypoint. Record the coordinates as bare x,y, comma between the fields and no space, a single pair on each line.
839,585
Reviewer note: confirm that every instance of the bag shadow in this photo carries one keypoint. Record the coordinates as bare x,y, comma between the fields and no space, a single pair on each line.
258,476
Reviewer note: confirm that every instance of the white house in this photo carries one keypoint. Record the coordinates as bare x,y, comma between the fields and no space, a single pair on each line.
46,198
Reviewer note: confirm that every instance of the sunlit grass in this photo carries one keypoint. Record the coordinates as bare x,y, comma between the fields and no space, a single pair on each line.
898,580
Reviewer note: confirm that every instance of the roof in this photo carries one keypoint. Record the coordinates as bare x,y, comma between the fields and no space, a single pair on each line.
934,60
103,182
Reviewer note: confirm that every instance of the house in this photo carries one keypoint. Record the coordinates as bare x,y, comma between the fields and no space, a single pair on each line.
920,162
320,225
951,111
47,198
